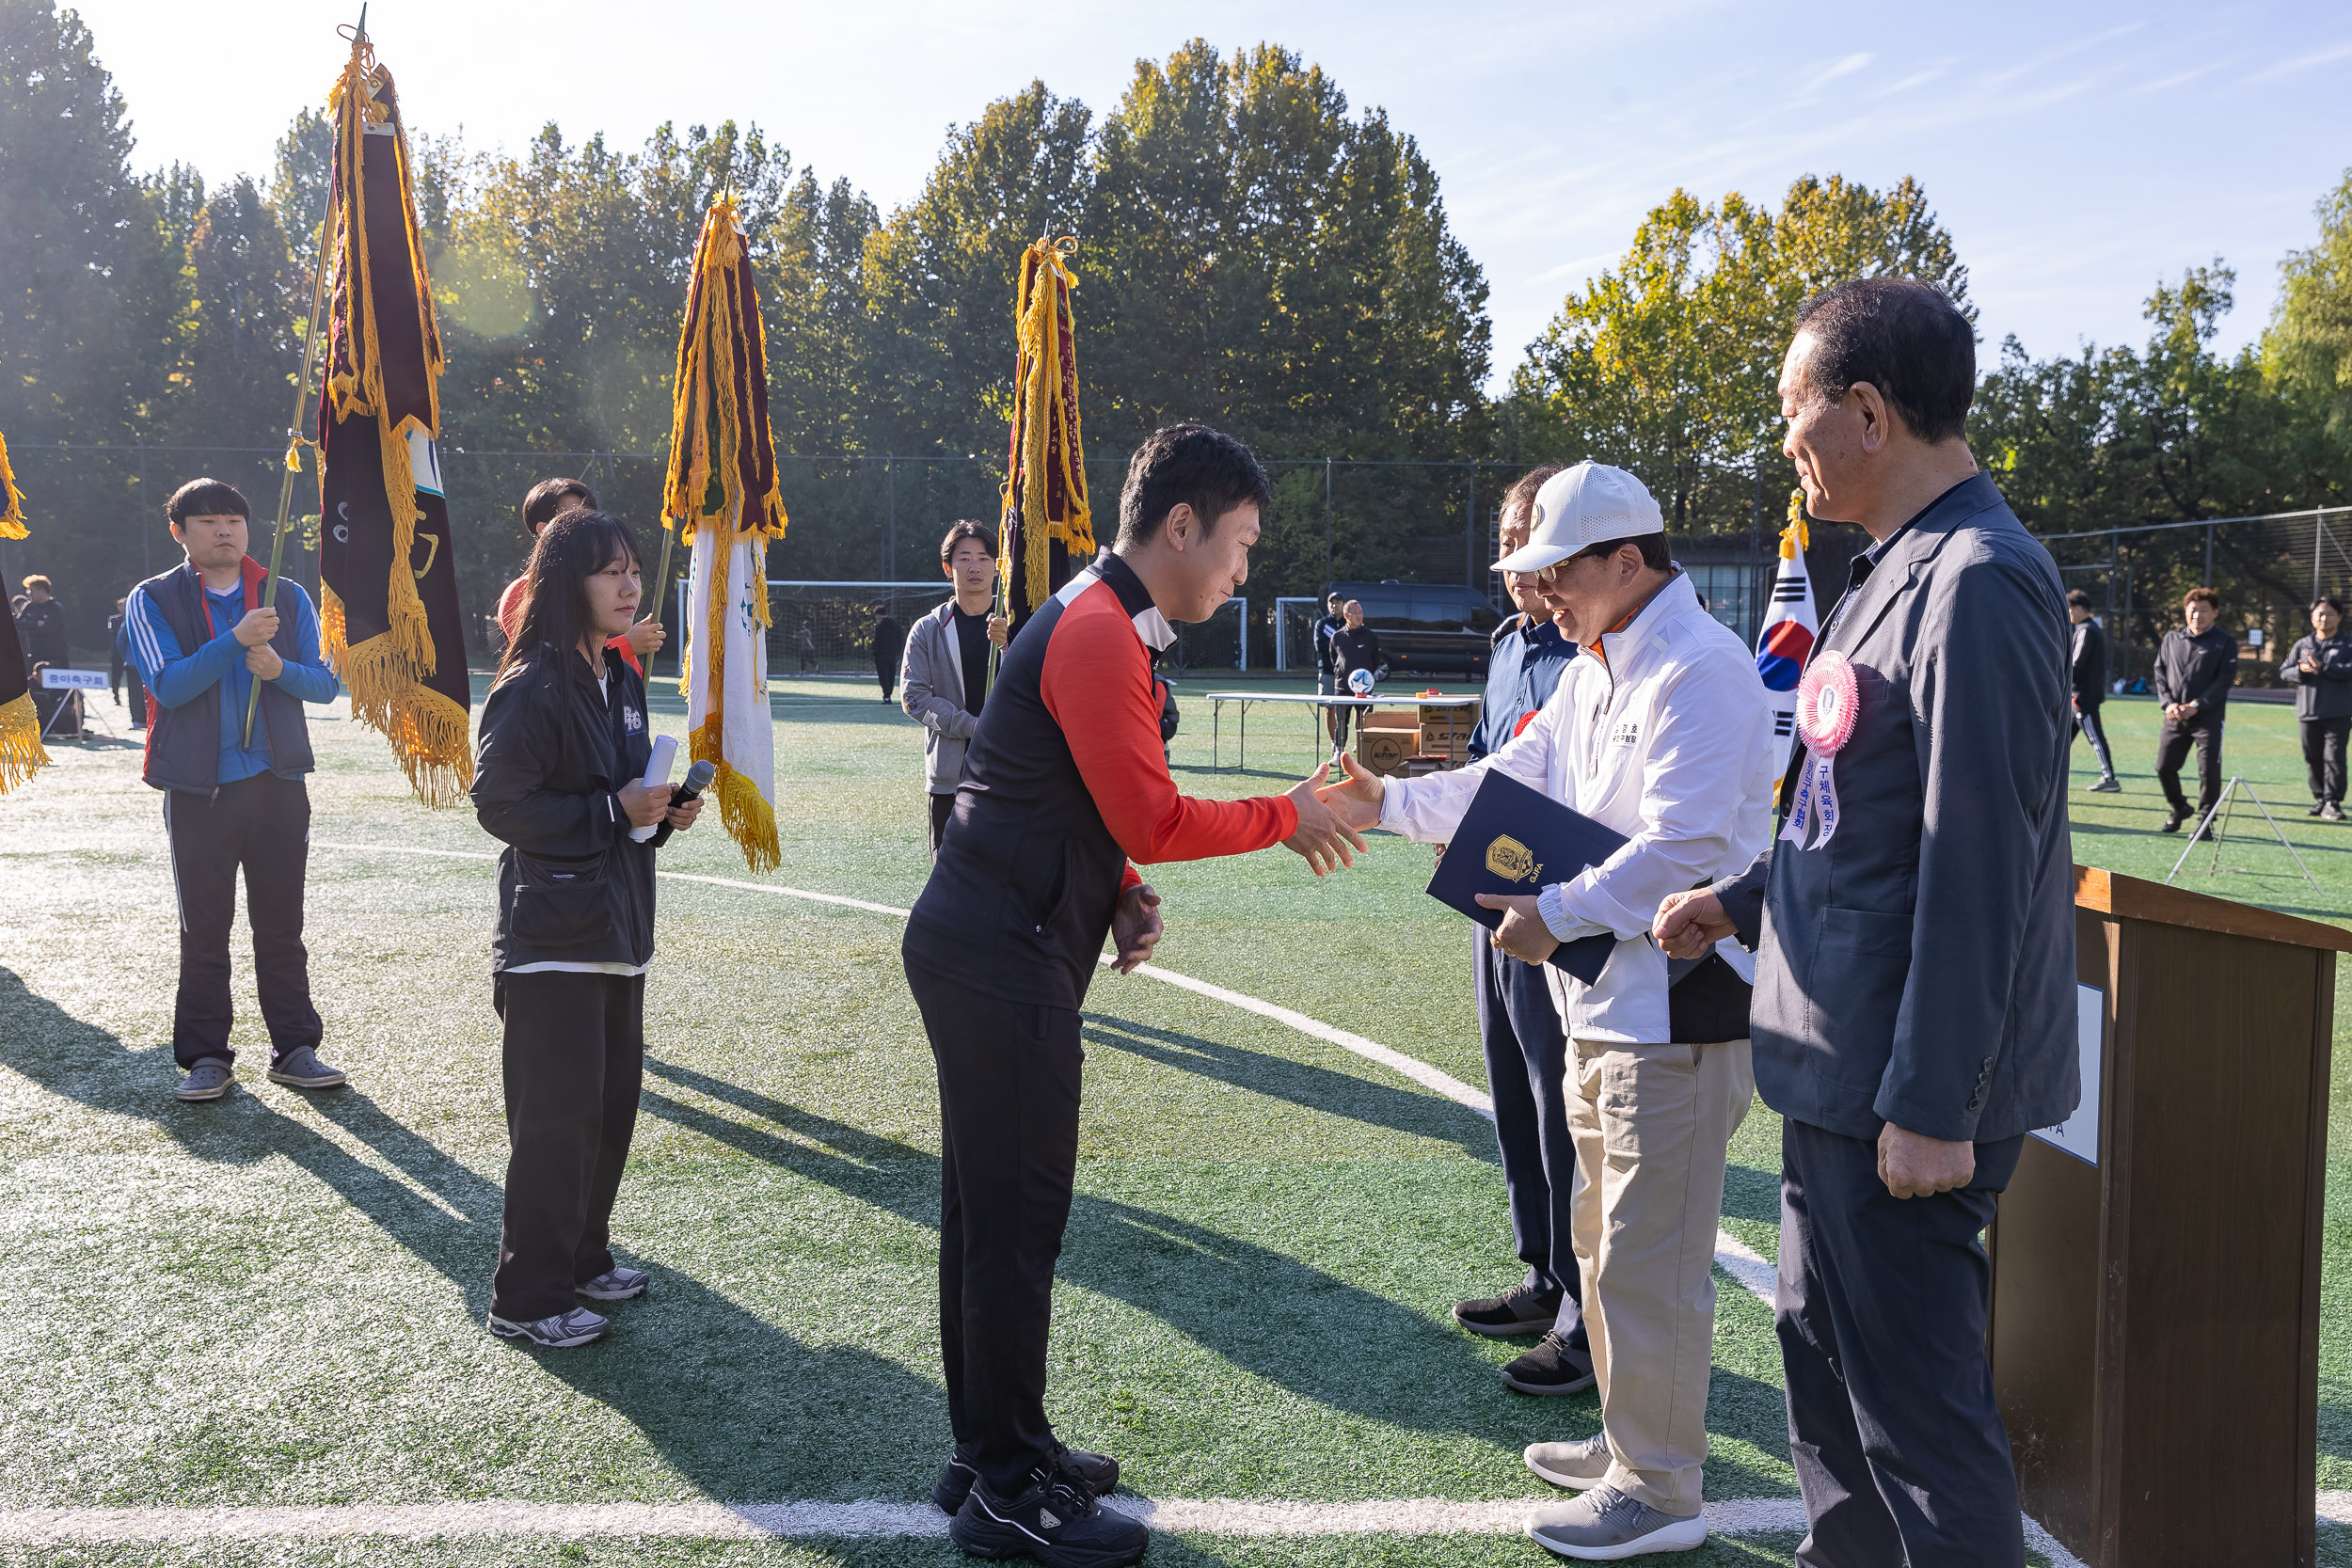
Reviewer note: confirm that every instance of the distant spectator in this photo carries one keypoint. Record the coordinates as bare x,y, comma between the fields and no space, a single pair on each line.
1355,646
1334,621
124,668
889,642
545,501
2321,665
58,713
41,623
2091,687
808,646
945,668
2195,667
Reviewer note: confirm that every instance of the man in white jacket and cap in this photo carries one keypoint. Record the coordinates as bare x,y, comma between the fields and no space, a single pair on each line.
1665,736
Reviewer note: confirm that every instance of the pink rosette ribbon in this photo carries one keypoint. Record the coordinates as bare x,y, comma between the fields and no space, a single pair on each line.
1829,699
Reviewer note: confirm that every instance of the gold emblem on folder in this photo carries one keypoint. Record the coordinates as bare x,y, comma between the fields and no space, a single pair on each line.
1510,860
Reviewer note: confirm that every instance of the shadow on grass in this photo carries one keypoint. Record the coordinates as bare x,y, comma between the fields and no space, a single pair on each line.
1294,1325
721,1394
1317,1088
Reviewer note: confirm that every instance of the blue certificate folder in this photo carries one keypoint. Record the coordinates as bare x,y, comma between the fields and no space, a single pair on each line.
1516,840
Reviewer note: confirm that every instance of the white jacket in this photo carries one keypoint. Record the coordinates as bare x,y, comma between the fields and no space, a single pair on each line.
1669,741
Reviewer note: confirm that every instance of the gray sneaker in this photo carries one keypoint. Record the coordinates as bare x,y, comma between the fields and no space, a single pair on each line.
1606,1525
615,1284
2108,786
1577,1465
208,1080
302,1068
562,1331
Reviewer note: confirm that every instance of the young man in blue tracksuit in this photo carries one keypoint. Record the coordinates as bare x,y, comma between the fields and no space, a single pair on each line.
200,638
1518,1024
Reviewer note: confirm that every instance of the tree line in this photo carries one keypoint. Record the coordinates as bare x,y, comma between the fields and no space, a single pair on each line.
1254,252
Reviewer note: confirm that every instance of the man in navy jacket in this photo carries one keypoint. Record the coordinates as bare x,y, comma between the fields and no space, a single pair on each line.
202,639
1913,1013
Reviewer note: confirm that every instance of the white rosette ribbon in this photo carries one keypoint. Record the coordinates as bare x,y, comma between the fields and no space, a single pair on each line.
1829,699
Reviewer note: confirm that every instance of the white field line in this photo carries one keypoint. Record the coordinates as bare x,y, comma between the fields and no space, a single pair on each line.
1733,1256
1756,1273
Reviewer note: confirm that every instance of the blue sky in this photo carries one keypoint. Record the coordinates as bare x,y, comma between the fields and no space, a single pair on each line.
2077,153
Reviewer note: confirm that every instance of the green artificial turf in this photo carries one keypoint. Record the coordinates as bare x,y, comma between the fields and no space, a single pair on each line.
277,1299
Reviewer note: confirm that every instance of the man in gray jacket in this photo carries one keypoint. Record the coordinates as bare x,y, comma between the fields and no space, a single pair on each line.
945,677
1913,1013
2321,667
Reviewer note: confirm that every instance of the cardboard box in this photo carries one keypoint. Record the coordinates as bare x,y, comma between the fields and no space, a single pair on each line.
1446,731
1416,768
1385,737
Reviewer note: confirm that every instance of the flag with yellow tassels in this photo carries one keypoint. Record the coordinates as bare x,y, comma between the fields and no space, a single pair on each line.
1046,530
720,498
21,755
390,617
1784,640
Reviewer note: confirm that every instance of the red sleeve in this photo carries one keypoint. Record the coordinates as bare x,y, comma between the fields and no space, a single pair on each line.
621,645
1097,684
510,616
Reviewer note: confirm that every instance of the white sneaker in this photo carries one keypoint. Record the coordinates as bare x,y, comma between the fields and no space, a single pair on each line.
1607,1524
1576,1466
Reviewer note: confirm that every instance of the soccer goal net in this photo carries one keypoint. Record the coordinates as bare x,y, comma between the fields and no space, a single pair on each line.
819,626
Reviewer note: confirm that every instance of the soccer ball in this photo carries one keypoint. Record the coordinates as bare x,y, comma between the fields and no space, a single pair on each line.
1360,681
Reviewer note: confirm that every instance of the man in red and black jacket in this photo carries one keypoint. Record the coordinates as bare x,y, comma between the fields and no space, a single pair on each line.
1065,785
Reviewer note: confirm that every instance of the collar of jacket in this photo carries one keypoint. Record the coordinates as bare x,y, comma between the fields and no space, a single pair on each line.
251,573
1907,551
1672,598
1136,599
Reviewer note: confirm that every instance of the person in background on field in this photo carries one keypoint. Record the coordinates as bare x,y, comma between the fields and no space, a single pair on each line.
889,644
2195,667
1333,619
58,713
123,667
1914,1005
548,501
945,670
558,779
1519,1027
808,646
1061,795
202,639
1355,646
2321,667
2089,662
40,626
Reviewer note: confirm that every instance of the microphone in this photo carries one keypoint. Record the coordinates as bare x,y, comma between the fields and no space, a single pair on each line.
697,780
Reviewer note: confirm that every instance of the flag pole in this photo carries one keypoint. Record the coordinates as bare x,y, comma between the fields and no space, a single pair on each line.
302,398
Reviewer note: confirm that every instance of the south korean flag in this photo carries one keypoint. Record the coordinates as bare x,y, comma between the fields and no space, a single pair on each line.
1791,625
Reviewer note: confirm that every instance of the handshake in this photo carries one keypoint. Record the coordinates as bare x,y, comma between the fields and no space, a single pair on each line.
1332,818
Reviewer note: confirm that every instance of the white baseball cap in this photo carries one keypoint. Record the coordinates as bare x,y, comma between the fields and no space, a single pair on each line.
1581,507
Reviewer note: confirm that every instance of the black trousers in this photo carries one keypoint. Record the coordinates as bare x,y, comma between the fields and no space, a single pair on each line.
262,826
2323,753
1897,1441
575,1060
2173,750
943,807
2087,724
1009,1154
1527,1064
886,672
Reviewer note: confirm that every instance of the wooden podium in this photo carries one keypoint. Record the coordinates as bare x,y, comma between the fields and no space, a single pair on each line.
2155,1290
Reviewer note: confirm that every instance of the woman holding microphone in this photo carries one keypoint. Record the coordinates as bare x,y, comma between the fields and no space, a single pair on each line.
562,753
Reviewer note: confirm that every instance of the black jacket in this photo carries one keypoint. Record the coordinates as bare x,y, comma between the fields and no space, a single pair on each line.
2089,664
43,628
2196,670
573,886
1354,648
2327,694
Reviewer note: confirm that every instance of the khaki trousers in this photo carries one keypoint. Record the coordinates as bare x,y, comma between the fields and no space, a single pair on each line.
1652,1124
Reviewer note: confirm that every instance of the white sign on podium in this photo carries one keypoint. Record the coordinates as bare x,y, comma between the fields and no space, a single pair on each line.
2078,1134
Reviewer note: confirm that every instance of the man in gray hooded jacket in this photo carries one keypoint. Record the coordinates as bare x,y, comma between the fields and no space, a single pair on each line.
944,679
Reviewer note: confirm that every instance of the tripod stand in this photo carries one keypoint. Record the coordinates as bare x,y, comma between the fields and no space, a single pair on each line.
2222,808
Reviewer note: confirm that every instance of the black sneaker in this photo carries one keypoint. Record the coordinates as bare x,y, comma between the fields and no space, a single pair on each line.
2171,823
1098,1473
1520,1309
1553,1367
2317,806
1053,1520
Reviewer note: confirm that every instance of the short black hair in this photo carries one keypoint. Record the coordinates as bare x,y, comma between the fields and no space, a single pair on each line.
2200,595
2330,601
2079,599
1187,464
965,529
206,497
1653,548
1902,337
551,497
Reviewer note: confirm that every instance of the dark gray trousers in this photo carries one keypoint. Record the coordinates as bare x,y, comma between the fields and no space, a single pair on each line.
1897,1441
1527,1074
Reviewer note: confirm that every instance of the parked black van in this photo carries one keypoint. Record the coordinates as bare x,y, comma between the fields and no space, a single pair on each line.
1427,628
